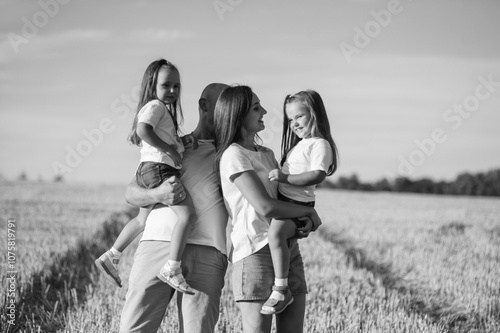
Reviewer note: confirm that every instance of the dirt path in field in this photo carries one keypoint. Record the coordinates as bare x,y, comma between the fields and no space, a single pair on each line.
65,282
417,298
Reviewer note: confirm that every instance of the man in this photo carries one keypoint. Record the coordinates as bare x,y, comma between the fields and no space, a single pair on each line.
204,260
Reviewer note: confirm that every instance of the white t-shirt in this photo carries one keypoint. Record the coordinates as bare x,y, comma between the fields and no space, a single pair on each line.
156,114
249,228
309,154
200,179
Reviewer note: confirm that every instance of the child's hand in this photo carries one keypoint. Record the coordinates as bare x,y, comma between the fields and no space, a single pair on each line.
190,139
277,176
175,156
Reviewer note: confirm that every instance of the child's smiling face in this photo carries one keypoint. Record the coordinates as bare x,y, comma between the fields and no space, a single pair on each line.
168,85
299,119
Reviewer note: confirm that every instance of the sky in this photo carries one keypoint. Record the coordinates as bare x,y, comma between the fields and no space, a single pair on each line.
411,87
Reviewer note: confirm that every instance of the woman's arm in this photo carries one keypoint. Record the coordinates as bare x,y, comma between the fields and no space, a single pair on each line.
301,179
254,191
168,193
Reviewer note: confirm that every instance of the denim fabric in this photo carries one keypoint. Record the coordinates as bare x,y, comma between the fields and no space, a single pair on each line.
152,174
253,276
297,222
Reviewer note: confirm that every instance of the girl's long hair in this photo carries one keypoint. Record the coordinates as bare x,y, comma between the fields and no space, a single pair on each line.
231,109
148,93
320,127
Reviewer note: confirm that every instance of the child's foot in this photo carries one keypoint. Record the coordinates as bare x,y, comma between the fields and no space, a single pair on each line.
280,298
108,264
175,279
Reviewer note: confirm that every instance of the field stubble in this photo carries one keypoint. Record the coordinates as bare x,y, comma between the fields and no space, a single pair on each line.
380,263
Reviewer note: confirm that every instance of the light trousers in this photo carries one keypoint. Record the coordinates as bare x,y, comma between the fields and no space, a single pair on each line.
147,297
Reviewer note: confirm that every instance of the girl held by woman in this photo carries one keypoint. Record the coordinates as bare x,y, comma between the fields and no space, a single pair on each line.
309,154
251,200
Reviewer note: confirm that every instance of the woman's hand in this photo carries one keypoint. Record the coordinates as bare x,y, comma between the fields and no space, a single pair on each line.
304,231
312,223
277,175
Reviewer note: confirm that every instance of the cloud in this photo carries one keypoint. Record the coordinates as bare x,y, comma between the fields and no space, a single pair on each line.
159,35
14,44
78,35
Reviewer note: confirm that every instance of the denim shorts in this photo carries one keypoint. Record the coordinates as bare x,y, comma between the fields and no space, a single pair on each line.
253,276
297,222
152,174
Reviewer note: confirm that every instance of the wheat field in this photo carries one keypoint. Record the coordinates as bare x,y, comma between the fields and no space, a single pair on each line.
381,262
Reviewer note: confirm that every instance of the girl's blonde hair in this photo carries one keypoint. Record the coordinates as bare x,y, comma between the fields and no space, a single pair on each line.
320,127
148,93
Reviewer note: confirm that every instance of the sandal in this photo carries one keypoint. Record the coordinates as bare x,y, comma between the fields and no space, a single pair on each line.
175,279
108,264
275,306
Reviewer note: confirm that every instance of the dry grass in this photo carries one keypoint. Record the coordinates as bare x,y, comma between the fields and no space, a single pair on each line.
442,251
380,263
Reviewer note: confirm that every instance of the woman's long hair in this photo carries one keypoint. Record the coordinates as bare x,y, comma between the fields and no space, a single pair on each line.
231,109
320,127
148,93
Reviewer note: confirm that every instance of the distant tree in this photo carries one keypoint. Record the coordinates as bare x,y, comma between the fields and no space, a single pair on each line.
59,179
492,181
484,184
464,184
382,185
349,183
441,187
424,185
23,176
402,184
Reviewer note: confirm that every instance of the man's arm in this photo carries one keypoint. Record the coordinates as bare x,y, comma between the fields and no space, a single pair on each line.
170,192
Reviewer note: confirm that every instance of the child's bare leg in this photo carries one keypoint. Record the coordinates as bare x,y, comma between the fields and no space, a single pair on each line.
132,229
108,262
279,233
185,217
171,271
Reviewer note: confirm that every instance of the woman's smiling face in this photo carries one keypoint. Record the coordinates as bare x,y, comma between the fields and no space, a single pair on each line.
299,119
253,121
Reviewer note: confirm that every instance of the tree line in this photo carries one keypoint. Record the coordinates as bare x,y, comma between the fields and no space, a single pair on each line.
478,184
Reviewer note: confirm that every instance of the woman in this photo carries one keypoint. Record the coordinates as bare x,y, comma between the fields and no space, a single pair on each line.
251,200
